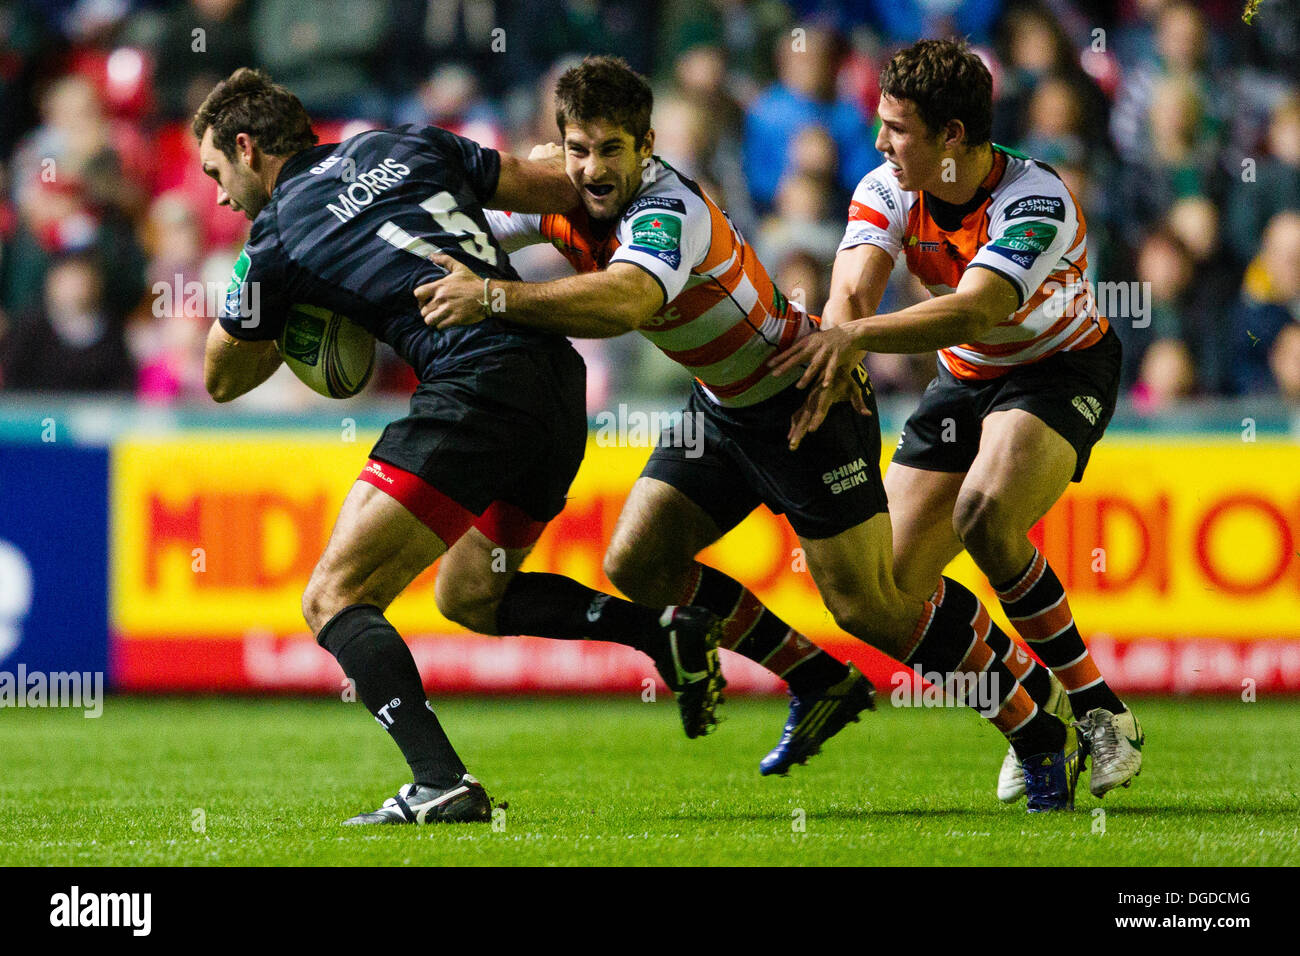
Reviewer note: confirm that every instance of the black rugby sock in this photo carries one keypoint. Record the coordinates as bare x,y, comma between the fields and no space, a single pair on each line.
551,605
381,668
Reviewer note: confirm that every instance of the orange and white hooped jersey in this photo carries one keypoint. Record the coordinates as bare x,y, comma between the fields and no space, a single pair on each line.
1023,224
722,317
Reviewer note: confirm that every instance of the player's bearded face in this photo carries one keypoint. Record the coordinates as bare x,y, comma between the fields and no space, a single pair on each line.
605,165
238,186
915,154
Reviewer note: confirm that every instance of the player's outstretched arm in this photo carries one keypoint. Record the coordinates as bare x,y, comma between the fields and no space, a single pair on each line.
592,305
982,300
858,281
533,185
232,367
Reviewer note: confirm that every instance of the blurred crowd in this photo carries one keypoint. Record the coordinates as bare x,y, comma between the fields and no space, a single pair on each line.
1177,126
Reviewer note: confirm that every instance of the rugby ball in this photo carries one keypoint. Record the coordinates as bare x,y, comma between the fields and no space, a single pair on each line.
328,352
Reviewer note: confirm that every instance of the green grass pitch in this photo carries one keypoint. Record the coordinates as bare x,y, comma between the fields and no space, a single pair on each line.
613,781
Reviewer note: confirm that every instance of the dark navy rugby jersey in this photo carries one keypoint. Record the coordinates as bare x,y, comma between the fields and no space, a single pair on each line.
347,228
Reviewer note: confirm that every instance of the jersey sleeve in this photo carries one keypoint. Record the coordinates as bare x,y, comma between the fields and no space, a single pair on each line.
665,237
1028,236
254,308
482,165
514,230
876,214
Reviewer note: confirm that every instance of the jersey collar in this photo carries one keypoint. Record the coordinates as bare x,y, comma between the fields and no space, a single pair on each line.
948,216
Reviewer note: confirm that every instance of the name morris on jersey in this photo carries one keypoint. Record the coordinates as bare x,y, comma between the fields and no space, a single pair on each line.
369,184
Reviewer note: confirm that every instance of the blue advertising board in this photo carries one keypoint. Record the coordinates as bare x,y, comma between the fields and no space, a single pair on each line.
53,557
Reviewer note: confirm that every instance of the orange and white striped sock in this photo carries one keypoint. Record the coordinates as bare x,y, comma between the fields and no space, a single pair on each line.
1037,607
950,644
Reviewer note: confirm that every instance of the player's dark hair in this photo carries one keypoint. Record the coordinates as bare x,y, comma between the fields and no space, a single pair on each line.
947,82
604,88
248,102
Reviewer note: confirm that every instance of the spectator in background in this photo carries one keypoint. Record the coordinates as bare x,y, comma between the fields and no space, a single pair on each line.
804,95
328,52
200,43
166,335
746,29
1274,187
451,99
803,221
1036,52
1182,47
688,138
1179,159
1194,220
1263,344
1162,351
71,195
803,277
73,342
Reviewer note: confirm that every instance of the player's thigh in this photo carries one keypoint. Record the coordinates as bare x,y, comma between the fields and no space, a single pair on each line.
473,577
376,549
1022,469
658,534
854,573
921,507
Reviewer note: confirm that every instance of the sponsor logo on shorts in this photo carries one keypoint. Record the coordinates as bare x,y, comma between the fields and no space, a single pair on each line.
378,472
847,476
1088,407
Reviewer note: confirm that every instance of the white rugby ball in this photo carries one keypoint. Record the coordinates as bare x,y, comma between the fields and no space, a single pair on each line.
329,352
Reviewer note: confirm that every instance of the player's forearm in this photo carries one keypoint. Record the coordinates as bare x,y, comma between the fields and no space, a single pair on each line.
858,282
230,371
587,306
937,323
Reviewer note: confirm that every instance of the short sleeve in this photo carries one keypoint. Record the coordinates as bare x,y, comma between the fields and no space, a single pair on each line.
666,238
254,308
482,164
1028,237
514,230
876,214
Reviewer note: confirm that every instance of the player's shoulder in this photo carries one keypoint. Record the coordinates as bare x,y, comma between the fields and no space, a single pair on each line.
1031,189
879,188
666,191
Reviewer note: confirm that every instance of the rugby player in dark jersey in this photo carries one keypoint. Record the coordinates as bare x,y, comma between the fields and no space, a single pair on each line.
496,430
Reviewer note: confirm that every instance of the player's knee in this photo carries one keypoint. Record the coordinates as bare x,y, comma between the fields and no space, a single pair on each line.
320,603
979,520
469,606
635,572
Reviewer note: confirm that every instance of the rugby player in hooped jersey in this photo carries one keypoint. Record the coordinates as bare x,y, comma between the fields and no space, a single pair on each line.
496,430
655,254
1027,379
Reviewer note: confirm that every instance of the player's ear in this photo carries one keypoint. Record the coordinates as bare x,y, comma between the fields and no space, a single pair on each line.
954,133
648,143
244,148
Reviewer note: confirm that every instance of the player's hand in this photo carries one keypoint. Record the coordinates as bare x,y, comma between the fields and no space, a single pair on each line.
825,353
455,299
813,412
547,151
